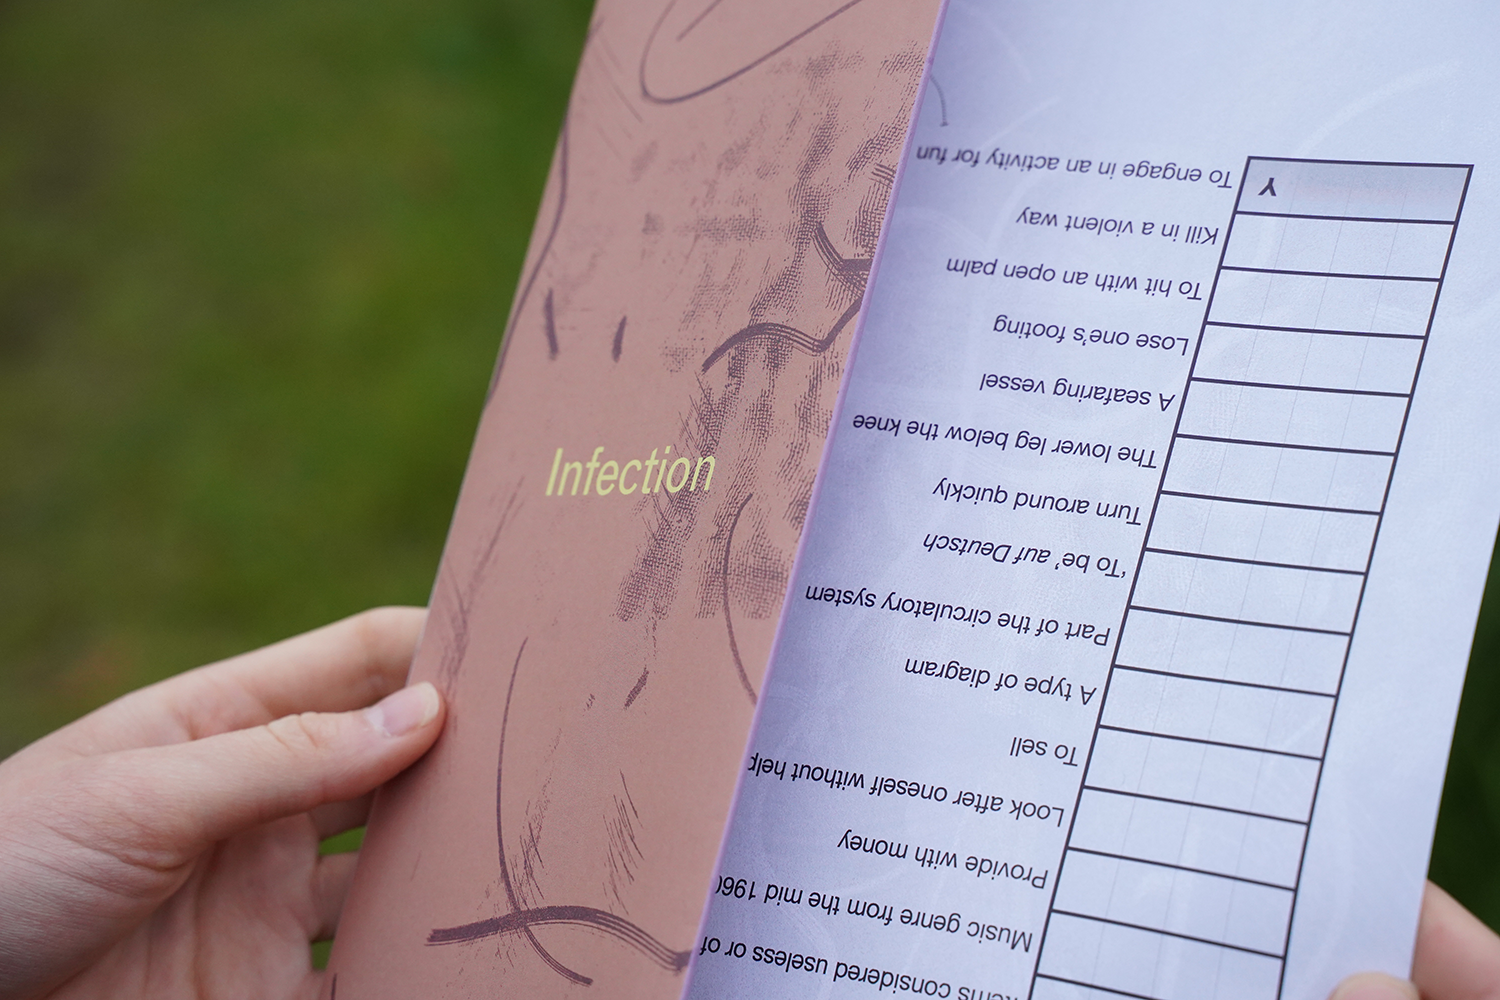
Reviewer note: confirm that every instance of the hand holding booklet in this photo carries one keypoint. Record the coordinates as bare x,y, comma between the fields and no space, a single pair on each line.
979,500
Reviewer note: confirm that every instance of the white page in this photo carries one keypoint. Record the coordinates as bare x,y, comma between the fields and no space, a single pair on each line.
1175,721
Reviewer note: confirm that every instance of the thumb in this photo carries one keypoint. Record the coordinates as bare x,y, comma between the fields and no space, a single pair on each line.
187,796
1374,986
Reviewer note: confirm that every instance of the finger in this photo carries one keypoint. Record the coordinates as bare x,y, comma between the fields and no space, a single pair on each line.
340,817
1458,957
341,666
331,880
1374,986
170,803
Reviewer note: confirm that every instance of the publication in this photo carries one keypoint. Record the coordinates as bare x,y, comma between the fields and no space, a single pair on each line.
985,500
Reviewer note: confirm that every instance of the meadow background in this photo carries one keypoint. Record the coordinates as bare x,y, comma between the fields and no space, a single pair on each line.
255,262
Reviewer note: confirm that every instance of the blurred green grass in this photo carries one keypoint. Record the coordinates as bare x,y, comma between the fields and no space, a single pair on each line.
255,260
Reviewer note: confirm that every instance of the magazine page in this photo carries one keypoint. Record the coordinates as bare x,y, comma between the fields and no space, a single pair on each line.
620,552
1123,651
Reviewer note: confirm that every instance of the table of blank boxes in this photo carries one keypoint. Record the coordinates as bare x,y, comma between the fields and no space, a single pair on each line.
1182,865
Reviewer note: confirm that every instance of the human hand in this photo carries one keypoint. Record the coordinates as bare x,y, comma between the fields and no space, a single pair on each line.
166,845
1457,958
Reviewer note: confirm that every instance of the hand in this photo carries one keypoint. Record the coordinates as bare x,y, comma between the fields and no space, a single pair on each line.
1457,958
166,845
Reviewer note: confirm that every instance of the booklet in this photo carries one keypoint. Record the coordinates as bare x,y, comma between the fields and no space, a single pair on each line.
982,501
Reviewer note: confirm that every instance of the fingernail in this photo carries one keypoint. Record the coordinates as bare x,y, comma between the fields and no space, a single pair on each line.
408,709
1374,986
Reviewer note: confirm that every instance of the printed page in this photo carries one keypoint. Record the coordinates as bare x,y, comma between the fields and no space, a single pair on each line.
1123,647
620,553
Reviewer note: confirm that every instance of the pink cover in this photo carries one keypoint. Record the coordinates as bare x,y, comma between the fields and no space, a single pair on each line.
686,309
